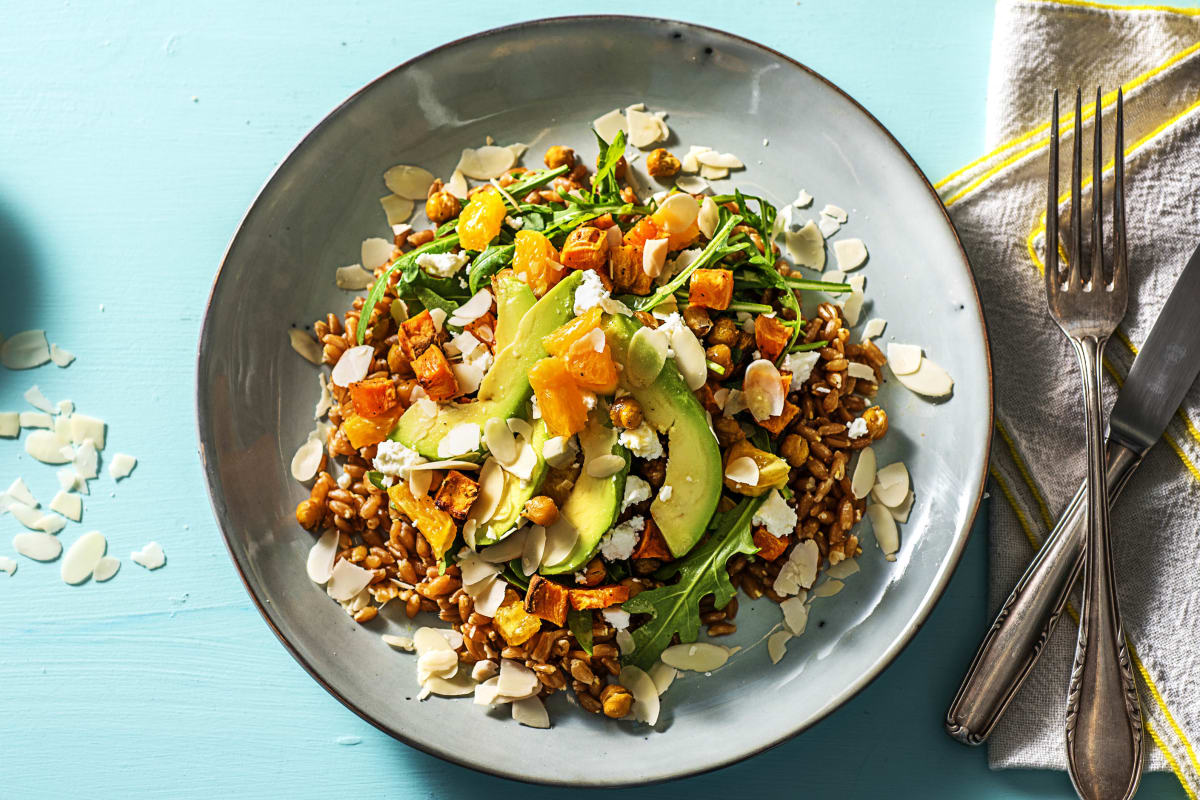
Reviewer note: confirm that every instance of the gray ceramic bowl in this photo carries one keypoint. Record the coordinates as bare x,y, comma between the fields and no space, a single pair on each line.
255,396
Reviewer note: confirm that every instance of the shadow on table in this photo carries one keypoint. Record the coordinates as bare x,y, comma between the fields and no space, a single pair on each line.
21,269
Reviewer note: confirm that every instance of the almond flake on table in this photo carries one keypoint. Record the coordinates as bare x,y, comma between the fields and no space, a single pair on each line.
86,460
375,252
864,474
891,484
806,246
46,447
645,129
843,569
121,465
306,460
50,523
828,225
24,514
152,556
304,344
777,645
903,359
930,380
20,492
884,527
795,615
70,481
84,428
663,676
61,357
82,557
353,365
835,213
10,424
803,199
35,419
691,184
610,124
33,396
37,545
645,694
68,504
25,350
8,565
828,588
530,711
900,513
106,568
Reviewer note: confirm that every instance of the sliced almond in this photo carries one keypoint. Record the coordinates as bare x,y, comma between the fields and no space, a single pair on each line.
692,184
843,569
35,398
654,255
307,459
828,588
800,570
346,579
743,470
478,305
795,615
533,549
516,680
827,225
50,523
82,557
475,569
487,162
375,252
645,693
689,356
850,254
696,657
69,504
84,428
712,173
353,365
929,380
861,371
408,181
500,440
10,424
20,492
777,645
525,463
708,217
900,513
46,446
353,278
605,465
397,209
644,129
457,185
321,555
427,640
873,328
436,663
491,488
457,685
61,357
610,124
836,213
560,540
531,712
508,548
459,440
25,350
488,595
305,345
891,484
712,158
806,246
884,526
762,386
37,545
105,569
903,359
864,473
663,676
803,199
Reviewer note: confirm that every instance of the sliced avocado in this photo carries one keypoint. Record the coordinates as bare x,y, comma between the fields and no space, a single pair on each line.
505,388
513,299
693,458
594,503
515,493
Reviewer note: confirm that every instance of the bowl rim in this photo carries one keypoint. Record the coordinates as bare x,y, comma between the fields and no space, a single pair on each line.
899,642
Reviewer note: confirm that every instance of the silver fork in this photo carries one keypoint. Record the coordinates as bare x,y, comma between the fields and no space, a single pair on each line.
1104,722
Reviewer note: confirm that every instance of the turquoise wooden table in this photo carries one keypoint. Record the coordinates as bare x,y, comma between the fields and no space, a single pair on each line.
134,136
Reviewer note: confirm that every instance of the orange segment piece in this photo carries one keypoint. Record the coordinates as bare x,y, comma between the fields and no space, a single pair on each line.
592,369
562,337
711,288
771,336
480,221
366,431
536,262
559,398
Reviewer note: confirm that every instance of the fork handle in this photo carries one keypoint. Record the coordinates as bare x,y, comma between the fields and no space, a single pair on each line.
1103,721
1020,631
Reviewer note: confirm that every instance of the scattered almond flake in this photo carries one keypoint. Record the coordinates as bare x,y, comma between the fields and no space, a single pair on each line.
457,185
516,680
500,440
843,569
507,549
834,276
900,513
644,129
25,350
803,199
488,595
479,304
438,315
517,149
60,356
10,424
654,255
436,663
467,377
903,359
693,185
864,474
408,181
531,712
105,569
69,481
712,158
483,670
427,639
852,307
353,277
68,504
873,328
8,565
319,564
305,345
806,246
689,162
353,365
713,173
459,440
861,371
35,398
697,656
121,465
891,484
689,356
46,446
800,570
610,124
20,492
85,428
835,213
396,209
884,526
82,557
560,540
37,545
65,408
457,685
763,389
35,419
706,220
534,549
475,569
827,225
795,615
398,642
625,642
346,580
777,645
930,380
485,163
828,588
487,693
604,466
663,675
50,523
645,693
308,457
491,488
850,253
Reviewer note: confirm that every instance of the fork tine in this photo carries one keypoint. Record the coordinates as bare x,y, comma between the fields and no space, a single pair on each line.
1119,273
1051,272
1097,270
1075,250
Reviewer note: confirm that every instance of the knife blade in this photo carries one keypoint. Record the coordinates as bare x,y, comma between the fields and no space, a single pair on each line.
1161,375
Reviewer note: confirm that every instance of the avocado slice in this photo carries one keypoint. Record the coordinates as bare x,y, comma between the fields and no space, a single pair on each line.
513,299
505,389
594,503
515,493
693,457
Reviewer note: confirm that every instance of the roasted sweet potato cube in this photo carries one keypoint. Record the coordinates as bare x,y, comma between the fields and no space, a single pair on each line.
707,397
417,333
771,336
777,423
434,374
628,275
548,600
600,597
373,397
586,248
652,544
712,288
435,525
769,547
456,494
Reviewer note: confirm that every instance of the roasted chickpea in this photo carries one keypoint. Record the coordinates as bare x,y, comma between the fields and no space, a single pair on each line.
541,510
558,156
877,422
594,573
728,431
626,412
697,320
442,206
721,355
396,360
794,449
724,331
661,164
655,472
308,513
586,248
616,700
421,237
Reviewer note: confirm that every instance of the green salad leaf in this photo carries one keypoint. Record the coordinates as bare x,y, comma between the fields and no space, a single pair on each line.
713,252
675,608
580,623
604,184
488,263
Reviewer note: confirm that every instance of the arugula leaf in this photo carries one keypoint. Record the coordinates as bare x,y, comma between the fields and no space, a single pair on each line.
535,180
488,263
407,264
676,608
580,623
605,184
514,575
376,478
431,299
713,252
800,348
763,222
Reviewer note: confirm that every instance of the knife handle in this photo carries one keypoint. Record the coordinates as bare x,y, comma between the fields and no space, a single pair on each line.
1016,639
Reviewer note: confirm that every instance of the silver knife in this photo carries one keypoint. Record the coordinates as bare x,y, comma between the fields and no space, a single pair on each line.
1161,374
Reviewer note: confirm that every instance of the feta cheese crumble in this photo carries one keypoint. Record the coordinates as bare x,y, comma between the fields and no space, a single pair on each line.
801,366
636,491
393,458
618,543
776,515
857,428
443,265
643,441
591,292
